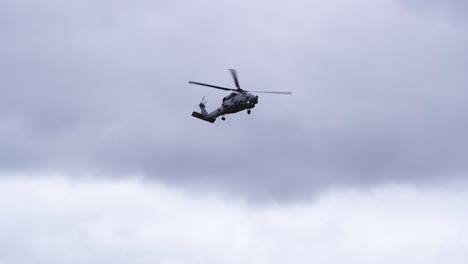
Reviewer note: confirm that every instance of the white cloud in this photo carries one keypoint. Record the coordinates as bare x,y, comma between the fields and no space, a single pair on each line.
56,220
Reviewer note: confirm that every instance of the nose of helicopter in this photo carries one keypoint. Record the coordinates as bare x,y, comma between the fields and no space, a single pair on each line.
252,101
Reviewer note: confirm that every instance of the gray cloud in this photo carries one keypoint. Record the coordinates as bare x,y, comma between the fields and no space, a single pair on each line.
452,9
378,93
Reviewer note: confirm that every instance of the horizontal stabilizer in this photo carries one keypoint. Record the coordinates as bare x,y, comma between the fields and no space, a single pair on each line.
202,117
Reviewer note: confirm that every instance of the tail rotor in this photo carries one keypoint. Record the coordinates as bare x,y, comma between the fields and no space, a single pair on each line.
203,102
203,115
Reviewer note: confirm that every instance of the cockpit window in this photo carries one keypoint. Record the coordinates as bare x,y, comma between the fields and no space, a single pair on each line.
232,95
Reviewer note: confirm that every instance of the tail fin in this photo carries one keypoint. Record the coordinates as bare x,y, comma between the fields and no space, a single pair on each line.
203,117
202,107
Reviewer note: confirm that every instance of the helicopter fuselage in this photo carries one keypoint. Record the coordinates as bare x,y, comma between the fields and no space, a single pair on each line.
233,103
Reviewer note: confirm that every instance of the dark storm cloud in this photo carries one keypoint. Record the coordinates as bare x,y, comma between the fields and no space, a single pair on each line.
452,9
379,92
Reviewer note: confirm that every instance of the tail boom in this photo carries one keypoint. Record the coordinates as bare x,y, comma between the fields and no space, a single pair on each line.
203,117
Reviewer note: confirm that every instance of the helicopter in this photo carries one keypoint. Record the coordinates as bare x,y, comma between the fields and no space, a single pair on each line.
238,100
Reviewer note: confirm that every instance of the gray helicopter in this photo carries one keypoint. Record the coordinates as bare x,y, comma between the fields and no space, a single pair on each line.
237,101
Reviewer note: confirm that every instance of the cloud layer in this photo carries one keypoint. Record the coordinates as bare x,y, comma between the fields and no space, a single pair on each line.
132,222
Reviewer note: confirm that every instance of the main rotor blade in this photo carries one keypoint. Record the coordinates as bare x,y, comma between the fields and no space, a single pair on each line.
234,76
270,92
212,86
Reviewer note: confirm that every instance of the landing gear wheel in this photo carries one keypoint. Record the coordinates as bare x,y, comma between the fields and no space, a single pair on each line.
248,111
223,118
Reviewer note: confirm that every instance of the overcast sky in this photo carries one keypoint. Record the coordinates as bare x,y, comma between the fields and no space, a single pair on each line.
96,93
